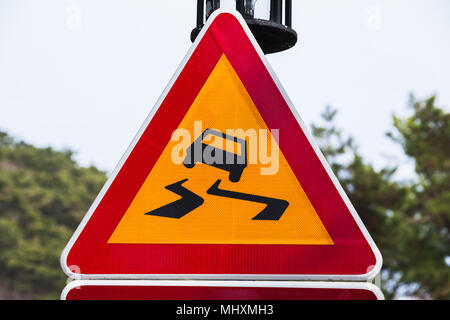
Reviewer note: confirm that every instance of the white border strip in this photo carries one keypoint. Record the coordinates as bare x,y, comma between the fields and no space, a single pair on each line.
367,276
254,284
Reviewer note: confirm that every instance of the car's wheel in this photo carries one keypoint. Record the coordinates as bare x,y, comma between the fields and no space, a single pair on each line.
235,176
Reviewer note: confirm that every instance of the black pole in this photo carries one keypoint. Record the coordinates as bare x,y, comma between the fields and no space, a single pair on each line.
211,6
248,11
200,9
240,6
271,33
288,10
276,10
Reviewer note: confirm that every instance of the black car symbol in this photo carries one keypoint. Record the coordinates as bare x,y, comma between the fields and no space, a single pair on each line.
203,152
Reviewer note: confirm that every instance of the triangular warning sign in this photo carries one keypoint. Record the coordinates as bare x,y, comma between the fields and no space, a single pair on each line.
223,181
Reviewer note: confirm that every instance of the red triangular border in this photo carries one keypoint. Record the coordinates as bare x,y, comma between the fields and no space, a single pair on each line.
354,255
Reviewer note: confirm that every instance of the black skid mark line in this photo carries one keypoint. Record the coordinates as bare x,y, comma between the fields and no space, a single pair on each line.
189,201
273,211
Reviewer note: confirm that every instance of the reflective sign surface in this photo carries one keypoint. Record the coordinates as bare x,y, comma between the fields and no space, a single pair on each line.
223,181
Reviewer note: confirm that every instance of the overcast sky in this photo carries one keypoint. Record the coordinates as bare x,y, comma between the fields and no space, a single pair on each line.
87,84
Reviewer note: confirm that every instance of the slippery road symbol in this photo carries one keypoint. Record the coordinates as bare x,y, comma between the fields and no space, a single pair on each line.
190,201
178,209
273,211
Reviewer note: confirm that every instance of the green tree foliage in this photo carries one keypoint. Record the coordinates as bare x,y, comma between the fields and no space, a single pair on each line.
409,221
43,196
425,137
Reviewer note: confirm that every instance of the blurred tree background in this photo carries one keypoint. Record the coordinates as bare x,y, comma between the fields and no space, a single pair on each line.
44,194
409,220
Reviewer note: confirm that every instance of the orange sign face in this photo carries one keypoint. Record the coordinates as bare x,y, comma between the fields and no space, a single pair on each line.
223,104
